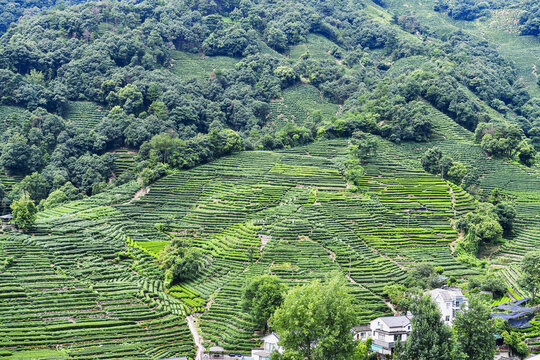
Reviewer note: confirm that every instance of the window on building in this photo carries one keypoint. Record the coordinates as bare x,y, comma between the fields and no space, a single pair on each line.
447,317
409,327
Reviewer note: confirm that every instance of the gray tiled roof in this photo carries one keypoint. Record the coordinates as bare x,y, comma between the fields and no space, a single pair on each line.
396,321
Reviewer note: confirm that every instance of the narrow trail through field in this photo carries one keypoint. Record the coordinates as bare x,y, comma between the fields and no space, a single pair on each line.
453,195
139,194
196,337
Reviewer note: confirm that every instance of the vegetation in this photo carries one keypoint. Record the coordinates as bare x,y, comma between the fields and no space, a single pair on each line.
24,212
325,314
530,267
261,297
430,338
474,331
174,158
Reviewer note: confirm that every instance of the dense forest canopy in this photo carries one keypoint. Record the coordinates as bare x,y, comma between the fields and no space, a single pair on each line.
121,55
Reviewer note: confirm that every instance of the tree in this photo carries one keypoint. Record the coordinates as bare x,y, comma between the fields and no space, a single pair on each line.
526,153
261,296
430,160
180,260
35,185
516,343
430,338
474,331
506,214
530,269
54,199
315,320
457,172
24,212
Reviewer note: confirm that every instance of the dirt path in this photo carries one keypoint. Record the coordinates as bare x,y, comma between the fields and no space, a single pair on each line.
451,191
196,337
139,194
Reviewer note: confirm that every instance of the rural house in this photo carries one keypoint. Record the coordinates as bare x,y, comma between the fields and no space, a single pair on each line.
361,332
450,301
386,331
270,345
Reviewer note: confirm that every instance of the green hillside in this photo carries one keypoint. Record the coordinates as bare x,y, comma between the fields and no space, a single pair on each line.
286,213
166,153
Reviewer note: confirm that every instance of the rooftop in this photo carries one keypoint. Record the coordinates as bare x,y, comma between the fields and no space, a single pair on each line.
396,321
447,294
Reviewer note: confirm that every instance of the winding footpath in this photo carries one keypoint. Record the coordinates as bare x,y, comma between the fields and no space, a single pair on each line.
196,337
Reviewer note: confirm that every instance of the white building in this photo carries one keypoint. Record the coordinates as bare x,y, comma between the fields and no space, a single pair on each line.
270,345
450,301
386,331
361,332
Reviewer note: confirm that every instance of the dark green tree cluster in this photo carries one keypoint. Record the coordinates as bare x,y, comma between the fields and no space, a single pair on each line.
486,225
530,19
433,161
505,142
463,9
261,296
12,10
180,260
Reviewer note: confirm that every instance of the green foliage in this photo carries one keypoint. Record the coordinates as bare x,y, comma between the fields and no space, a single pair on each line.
490,282
24,212
530,269
514,340
505,141
430,338
320,313
397,294
261,296
180,260
474,331
35,185
463,9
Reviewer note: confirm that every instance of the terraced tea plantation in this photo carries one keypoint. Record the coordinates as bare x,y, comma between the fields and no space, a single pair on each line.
85,283
84,114
188,65
298,105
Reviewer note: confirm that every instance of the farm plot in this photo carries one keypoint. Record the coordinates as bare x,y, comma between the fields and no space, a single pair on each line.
289,213
317,46
297,106
124,160
286,213
73,287
47,306
84,114
188,65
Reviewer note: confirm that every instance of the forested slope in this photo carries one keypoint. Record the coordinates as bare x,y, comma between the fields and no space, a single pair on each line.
291,138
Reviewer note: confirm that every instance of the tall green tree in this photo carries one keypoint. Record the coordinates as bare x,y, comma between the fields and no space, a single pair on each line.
530,269
261,296
474,331
430,338
316,319
180,260
24,212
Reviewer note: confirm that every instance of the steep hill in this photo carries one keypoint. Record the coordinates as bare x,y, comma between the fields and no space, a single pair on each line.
287,138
